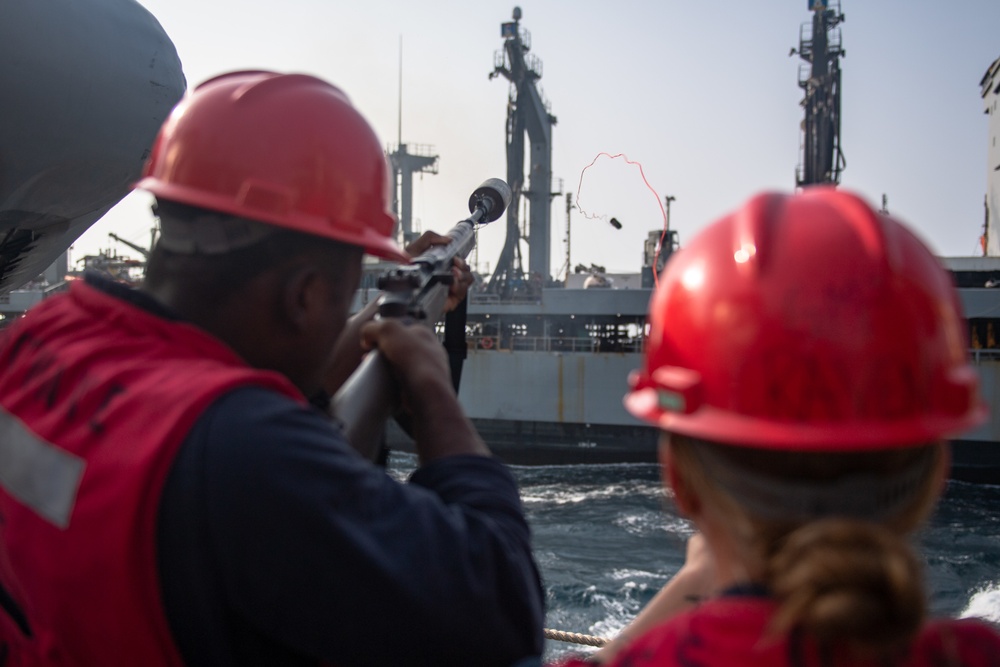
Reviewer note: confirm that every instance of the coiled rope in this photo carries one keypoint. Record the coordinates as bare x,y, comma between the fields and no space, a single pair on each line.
575,638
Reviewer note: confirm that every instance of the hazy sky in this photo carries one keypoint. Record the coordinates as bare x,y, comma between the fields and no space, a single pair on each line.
703,94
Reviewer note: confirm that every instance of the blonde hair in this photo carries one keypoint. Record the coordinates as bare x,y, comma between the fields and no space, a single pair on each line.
844,577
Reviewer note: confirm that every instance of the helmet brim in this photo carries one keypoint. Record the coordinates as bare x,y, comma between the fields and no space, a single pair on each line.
359,235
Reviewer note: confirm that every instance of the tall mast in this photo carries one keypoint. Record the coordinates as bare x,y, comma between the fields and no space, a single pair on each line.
407,160
820,47
527,112
399,115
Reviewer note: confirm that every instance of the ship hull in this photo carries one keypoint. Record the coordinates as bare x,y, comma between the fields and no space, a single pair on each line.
975,461
548,407
571,412
548,443
552,392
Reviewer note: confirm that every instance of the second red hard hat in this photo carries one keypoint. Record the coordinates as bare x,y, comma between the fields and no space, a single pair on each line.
807,322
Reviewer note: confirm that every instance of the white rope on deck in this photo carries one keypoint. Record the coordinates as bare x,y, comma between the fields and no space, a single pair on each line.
575,638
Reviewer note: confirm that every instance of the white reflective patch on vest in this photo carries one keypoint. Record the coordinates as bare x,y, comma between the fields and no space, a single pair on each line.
37,473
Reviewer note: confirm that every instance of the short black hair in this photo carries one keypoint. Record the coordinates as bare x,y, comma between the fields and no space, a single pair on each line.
217,277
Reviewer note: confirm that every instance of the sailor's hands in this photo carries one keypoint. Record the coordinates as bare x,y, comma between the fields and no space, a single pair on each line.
462,278
426,240
419,363
349,353
414,352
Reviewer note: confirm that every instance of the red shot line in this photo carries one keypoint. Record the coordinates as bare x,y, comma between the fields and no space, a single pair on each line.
659,202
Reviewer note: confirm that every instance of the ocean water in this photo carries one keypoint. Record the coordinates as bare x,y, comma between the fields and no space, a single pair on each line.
606,538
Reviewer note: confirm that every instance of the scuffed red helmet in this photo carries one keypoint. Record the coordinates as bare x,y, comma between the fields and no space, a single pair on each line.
284,149
807,322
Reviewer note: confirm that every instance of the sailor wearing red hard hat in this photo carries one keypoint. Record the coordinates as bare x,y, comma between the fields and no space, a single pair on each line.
806,362
169,496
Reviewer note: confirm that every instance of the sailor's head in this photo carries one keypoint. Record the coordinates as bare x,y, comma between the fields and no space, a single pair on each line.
806,361
286,150
806,324
269,189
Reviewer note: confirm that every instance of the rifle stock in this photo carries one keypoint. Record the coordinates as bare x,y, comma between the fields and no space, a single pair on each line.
418,290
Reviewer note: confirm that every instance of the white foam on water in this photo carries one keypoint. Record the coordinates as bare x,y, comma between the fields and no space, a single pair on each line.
642,523
622,606
625,574
984,603
620,610
679,526
559,494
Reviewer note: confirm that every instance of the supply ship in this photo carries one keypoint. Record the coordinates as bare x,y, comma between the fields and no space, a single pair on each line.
548,362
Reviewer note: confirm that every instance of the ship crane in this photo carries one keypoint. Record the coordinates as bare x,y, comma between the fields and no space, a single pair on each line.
135,246
820,47
527,113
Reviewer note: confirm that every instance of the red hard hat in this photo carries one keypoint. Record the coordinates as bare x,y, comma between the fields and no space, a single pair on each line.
807,322
284,149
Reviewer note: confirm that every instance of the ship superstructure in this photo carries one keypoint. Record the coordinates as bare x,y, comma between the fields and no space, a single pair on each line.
407,160
990,91
527,114
819,77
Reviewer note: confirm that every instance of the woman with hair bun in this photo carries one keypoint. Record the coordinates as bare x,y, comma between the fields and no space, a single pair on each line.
806,362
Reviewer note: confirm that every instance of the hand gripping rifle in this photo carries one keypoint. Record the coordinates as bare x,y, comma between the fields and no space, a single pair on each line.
418,290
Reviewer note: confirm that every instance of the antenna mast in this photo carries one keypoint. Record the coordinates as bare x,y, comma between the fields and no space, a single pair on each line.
407,160
399,116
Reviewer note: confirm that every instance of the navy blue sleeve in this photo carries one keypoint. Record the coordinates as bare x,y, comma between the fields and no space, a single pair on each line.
274,533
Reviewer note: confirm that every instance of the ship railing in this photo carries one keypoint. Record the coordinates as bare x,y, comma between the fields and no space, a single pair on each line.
543,344
584,344
487,298
484,298
418,150
981,355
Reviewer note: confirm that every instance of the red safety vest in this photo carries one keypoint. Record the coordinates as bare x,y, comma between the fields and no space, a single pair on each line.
96,396
734,631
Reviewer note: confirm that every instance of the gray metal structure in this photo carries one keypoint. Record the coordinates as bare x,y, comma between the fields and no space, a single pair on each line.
820,46
989,86
406,160
527,113
86,86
